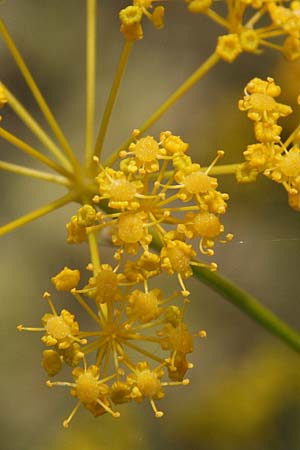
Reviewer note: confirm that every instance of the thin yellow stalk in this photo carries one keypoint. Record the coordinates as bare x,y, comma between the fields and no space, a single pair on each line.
256,17
106,360
271,45
271,34
94,252
35,127
267,28
188,84
21,170
291,137
223,169
86,307
46,209
217,18
12,139
90,77
112,96
144,352
37,94
95,257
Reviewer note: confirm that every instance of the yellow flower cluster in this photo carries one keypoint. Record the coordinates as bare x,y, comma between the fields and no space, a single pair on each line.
128,323
278,160
157,195
152,180
252,25
131,18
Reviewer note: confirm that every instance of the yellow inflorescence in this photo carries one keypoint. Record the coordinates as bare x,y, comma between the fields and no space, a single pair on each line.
278,160
157,194
131,18
252,25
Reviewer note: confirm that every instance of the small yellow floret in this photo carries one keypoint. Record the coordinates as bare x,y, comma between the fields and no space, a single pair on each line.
146,382
106,283
291,48
51,362
176,257
198,182
86,216
249,40
66,280
87,385
131,15
76,233
144,307
130,228
173,144
146,149
289,165
229,47
294,201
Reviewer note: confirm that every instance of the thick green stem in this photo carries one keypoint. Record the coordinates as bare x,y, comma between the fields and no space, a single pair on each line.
247,303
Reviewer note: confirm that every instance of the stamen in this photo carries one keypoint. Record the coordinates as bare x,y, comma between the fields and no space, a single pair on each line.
184,291
220,154
66,422
21,328
86,307
184,382
115,414
158,414
47,297
59,383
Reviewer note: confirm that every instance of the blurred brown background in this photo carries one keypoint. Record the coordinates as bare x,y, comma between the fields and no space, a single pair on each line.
245,387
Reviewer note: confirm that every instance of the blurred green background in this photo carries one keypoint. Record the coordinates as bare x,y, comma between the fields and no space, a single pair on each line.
245,387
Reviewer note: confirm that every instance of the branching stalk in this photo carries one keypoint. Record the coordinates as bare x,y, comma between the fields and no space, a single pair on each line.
112,96
43,211
91,6
29,121
29,150
37,93
188,84
21,170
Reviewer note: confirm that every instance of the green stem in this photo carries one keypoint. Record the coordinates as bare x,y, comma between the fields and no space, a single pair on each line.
112,96
247,303
188,84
